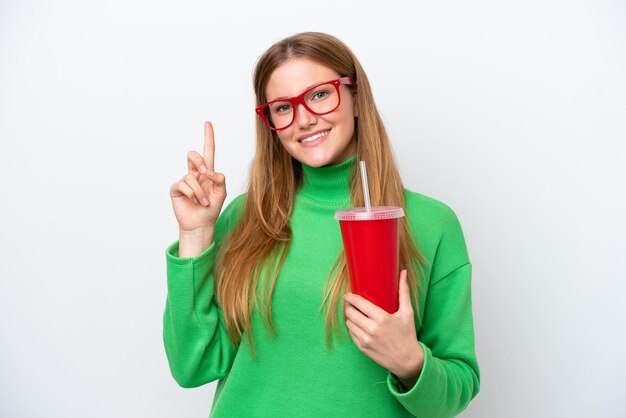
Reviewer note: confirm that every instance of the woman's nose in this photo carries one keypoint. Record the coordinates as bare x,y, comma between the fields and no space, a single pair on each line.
304,118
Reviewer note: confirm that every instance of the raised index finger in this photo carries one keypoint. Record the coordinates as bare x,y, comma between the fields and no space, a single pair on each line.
209,146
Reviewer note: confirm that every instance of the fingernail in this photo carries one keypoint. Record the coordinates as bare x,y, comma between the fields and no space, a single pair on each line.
202,169
205,202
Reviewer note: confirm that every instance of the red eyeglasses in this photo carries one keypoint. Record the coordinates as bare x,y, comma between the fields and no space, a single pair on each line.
320,99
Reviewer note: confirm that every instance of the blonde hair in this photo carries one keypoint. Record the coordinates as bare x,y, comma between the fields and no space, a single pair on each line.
260,240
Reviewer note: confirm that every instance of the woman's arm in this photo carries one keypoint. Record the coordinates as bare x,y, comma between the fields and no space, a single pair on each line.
450,376
196,342
433,372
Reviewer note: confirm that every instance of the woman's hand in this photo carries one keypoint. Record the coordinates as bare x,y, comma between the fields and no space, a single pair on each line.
198,197
388,339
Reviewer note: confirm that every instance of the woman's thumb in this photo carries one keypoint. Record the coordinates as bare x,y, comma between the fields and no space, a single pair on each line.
404,292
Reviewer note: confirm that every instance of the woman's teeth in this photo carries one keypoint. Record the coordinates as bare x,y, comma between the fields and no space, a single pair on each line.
314,137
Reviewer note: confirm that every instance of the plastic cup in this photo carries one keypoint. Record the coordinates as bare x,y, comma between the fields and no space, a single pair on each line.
371,243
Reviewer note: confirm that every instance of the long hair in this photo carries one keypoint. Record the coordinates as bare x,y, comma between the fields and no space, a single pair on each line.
259,242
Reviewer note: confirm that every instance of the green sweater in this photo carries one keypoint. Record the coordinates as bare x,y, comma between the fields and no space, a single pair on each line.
293,373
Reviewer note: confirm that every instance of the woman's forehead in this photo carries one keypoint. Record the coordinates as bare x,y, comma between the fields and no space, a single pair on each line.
296,75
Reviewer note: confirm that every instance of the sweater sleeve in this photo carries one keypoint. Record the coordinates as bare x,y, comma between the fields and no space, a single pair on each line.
450,376
194,334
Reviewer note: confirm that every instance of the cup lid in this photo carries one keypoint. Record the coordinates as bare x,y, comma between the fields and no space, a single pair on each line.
377,213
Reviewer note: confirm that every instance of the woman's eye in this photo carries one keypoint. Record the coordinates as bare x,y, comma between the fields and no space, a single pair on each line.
282,108
319,95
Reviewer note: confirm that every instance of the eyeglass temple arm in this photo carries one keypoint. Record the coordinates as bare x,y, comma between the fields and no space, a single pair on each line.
347,80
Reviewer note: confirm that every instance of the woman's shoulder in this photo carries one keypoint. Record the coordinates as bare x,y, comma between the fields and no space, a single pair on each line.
420,207
230,215
237,204
437,232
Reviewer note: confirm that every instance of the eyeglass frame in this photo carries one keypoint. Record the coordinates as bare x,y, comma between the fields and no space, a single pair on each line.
349,81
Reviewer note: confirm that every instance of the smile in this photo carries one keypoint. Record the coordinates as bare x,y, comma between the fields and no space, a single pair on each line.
314,137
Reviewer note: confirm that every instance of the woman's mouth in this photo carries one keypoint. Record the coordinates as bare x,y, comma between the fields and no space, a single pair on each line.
314,139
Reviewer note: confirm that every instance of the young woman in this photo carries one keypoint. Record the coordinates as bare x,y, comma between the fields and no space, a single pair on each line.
258,296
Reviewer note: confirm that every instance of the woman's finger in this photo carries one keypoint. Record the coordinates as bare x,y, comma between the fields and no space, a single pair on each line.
217,188
405,293
355,316
209,146
364,305
217,178
196,164
182,189
192,182
362,338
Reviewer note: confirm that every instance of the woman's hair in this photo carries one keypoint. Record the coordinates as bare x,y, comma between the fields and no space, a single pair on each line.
258,243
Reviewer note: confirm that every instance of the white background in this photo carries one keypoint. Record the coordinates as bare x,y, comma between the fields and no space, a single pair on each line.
512,113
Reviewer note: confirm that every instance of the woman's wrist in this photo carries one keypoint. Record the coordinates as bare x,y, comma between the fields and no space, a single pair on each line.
192,243
412,368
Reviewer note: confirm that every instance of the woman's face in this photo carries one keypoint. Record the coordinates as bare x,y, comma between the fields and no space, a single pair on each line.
336,142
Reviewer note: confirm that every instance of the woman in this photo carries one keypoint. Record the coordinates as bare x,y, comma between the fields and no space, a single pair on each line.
259,297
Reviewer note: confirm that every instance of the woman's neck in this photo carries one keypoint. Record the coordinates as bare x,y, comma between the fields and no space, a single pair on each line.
330,183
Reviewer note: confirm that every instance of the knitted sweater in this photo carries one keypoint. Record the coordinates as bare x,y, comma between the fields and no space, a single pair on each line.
293,373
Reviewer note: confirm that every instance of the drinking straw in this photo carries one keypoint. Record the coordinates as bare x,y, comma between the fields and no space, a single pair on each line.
366,190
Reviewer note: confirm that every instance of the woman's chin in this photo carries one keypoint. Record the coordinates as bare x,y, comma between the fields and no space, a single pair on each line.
316,161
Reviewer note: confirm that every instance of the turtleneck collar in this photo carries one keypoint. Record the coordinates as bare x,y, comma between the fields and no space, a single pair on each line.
329,184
